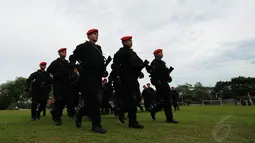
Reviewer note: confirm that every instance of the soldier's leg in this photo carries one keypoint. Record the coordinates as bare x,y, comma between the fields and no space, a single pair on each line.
70,107
132,110
94,112
121,110
158,105
41,108
34,110
58,109
44,110
167,104
140,106
177,106
110,107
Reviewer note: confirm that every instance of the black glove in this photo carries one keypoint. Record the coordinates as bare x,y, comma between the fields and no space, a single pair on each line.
146,62
169,79
171,69
141,75
105,74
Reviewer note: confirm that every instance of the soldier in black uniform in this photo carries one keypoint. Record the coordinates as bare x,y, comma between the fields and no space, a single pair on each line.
107,95
92,69
160,78
127,67
41,82
149,96
60,70
175,96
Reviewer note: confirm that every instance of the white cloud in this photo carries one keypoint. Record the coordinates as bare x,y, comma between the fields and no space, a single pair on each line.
193,34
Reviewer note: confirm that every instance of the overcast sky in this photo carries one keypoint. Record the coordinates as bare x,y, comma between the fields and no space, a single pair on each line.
204,40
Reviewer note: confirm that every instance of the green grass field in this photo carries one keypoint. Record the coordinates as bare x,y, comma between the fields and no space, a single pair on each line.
199,124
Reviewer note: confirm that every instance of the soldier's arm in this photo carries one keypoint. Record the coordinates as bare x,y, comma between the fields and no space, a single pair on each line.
72,60
116,65
51,68
154,69
30,78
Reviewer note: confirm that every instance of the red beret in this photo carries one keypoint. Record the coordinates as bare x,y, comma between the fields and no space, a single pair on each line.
92,31
62,49
126,38
172,87
157,51
43,64
105,79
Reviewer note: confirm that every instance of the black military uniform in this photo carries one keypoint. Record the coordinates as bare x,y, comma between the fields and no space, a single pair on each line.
127,67
107,95
175,96
92,69
40,82
60,69
148,96
160,78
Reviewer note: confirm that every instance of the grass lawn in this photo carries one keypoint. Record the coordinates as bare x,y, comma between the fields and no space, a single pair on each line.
199,124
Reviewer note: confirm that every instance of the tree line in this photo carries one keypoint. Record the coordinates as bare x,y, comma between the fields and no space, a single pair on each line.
12,92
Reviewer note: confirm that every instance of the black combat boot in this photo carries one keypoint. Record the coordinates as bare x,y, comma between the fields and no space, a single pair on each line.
121,117
98,129
171,121
78,117
58,122
135,125
33,118
78,120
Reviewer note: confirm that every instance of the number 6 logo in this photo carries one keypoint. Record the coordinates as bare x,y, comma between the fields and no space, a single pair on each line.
220,126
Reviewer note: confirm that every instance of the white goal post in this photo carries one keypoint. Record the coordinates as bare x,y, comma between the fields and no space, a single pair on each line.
211,101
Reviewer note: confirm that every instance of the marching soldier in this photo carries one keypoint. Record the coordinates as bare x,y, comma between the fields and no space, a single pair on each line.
92,69
107,95
160,78
41,82
127,67
60,70
175,96
148,97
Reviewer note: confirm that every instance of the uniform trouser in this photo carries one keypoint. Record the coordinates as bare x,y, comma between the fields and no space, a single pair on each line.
175,104
164,91
91,88
42,105
129,104
129,99
63,96
105,108
147,104
59,106
92,106
34,105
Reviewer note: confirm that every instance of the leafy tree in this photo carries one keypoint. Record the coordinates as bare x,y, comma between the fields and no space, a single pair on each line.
12,92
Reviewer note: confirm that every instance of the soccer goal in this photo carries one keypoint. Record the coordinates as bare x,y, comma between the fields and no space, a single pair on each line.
212,102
